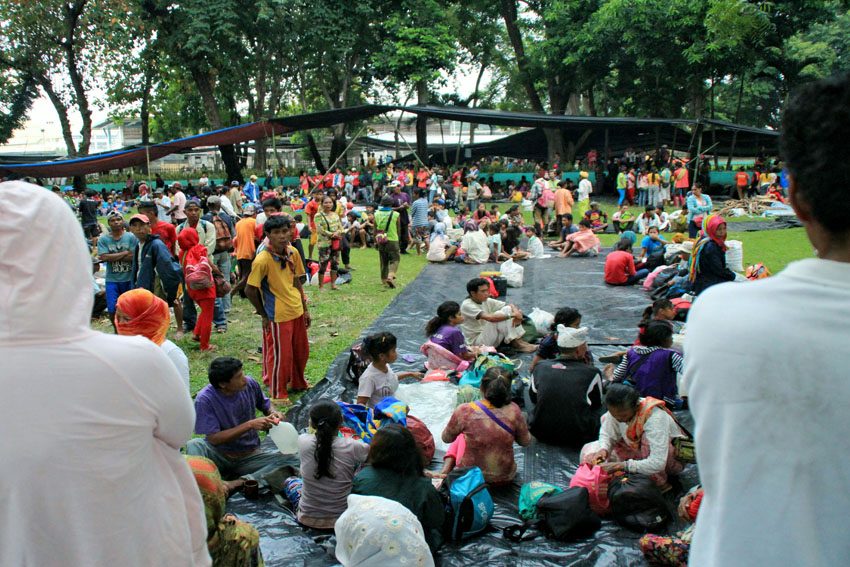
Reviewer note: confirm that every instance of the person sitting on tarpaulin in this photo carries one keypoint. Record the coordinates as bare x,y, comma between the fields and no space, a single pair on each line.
490,322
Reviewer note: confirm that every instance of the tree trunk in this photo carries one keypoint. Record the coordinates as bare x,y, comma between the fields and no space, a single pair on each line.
145,114
72,18
314,151
338,145
422,122
508,9
574,146
61,112
204,83
555,144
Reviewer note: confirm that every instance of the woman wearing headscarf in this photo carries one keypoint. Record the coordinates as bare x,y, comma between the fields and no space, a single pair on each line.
378,531
231,542
139,312
191,253
708,260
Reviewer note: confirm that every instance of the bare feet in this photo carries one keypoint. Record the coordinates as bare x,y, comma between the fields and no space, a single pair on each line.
523,346
209,348
179,335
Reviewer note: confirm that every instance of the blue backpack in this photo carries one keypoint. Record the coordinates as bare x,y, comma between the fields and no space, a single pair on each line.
470,504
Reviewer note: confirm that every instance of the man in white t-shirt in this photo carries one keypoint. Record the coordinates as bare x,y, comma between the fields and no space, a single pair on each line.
490,322
163,205
772,424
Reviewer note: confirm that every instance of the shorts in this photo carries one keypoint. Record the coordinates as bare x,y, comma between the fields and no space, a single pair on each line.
113,291
314,237
159,291
91,230
421,233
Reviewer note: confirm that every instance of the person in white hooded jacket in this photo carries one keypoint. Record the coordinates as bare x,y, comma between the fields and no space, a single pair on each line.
90,466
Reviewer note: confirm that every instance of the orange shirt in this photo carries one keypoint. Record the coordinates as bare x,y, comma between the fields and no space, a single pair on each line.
244,243
563,201
311,209
742,179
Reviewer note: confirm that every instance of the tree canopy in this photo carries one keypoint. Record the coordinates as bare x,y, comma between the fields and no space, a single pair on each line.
200,64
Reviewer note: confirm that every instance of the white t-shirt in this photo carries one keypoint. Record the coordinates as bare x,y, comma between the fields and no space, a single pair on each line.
472,325
474,243
535,248
767,367
377,385
585,188
163,204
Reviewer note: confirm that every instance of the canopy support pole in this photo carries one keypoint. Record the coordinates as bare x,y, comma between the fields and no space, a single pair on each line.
148,160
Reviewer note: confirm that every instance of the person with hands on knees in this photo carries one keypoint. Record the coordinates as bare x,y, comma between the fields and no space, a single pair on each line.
225,413
636,436
379,381
490,322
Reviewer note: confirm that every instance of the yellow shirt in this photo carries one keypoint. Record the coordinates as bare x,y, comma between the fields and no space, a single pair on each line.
281,299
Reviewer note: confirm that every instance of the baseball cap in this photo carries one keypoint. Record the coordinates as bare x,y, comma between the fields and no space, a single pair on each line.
234,184
140,218
214,200
115,215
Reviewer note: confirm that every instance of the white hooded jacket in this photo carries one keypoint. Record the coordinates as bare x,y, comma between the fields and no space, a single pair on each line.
92,424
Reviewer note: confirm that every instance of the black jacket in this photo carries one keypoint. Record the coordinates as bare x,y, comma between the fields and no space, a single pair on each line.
712,268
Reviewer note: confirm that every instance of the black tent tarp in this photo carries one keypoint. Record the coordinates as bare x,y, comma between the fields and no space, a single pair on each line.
637,132
612,315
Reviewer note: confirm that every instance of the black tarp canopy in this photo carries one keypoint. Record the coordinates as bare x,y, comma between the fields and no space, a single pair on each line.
586,131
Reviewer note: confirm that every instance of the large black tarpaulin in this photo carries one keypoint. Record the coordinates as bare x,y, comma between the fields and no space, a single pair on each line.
612,315
621,132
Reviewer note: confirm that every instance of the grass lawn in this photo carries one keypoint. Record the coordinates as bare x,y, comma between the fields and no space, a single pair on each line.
339,317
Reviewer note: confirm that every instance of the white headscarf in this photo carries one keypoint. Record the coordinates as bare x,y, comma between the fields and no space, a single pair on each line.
375,531
568,337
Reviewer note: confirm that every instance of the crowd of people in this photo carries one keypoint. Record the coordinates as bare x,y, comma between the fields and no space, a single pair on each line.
96,475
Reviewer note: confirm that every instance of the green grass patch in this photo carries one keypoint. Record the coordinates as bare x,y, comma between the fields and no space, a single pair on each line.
338,319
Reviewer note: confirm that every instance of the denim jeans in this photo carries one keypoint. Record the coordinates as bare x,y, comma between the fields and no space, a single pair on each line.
222,261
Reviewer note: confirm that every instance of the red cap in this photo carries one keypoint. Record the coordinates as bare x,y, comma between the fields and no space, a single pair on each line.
139,217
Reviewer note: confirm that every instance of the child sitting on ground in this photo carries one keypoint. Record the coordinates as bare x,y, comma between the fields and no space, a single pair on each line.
535,245
328,465
663,219
582,243
379,381
623,219
597,217
651,368
660,310
567,228
652,243
442,330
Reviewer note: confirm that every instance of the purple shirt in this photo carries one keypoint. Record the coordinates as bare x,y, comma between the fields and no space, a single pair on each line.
400,199
216,412
450,338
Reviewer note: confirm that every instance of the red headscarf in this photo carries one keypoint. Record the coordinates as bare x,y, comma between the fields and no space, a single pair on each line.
710,225
190,248
145,314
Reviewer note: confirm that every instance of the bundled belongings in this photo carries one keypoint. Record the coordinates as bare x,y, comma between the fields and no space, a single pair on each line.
562,515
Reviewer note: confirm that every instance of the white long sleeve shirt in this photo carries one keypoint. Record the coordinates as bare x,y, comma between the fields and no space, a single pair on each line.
767,362
659,430
92,424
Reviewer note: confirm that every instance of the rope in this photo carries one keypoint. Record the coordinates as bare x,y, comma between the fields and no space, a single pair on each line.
331,166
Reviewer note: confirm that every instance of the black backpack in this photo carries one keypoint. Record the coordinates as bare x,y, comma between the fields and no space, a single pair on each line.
637,503
564,516
358,360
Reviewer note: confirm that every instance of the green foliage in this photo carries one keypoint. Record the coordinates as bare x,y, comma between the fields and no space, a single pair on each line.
16,97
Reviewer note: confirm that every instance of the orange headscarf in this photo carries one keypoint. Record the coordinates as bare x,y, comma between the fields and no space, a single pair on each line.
148,315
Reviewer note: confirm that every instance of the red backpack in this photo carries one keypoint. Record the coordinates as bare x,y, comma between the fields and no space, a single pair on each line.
198,276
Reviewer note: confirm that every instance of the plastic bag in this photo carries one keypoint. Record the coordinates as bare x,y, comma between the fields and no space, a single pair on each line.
542,320
735,255
513,273
527,205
